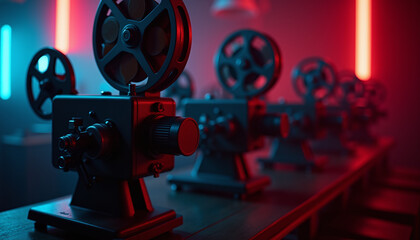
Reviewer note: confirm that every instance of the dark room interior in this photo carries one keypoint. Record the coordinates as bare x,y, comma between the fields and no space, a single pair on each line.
209,119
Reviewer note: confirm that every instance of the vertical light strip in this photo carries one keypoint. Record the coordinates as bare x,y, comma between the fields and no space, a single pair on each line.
6,58
62,25
363,39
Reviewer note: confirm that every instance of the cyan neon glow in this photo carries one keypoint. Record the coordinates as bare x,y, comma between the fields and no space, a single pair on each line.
6,45
43,63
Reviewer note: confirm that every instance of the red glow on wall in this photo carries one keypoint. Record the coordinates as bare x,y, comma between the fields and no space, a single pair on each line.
363,39
62,25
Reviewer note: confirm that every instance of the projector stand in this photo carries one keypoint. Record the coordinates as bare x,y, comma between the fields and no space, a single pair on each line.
109,209
224,172
297,153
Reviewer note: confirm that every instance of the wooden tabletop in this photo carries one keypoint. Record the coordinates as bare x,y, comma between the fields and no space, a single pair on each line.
291,199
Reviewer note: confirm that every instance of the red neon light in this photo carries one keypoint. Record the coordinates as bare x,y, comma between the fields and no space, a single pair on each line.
62,25
363,39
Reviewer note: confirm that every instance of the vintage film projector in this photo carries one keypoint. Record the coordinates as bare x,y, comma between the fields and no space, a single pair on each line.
248,64
365,112
113,142
349,91
313,80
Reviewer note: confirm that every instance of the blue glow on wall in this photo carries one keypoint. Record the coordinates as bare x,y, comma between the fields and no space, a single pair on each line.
43,64
5,51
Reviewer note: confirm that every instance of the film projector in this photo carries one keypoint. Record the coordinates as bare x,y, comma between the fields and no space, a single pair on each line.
313,80
247,64
113,142
365,112
340,104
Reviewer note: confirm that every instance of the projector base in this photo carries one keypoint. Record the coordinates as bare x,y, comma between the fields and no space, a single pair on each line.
221,184
144,225
331,144
297,154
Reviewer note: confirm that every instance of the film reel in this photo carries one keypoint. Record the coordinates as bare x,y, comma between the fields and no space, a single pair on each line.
375,92
314,79
181,89
350,89
51,81
141,42
248,63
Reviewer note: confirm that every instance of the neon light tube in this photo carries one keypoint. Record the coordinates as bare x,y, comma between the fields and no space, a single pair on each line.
363,39
62,25
6,45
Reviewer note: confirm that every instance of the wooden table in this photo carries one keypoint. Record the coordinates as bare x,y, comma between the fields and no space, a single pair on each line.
291,201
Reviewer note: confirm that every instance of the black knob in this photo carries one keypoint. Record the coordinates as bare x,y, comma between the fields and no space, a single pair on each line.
102,140
131,35
174,135
65,162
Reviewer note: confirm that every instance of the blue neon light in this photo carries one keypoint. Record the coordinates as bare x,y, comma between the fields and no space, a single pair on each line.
5,51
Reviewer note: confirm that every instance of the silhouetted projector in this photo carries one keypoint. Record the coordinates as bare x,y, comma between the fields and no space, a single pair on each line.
113,142
313,80
337,120
248,64
365,112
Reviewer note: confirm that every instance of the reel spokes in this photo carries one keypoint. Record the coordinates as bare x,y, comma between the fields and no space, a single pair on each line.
44,82
248,63
141,42
314,79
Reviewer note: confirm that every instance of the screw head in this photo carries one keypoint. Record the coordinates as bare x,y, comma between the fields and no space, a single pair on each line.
131,35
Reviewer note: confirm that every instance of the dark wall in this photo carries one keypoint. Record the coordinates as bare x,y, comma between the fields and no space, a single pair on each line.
396,59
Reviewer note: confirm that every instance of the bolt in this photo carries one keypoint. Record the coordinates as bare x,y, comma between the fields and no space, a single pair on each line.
156,169
158,107
243,63
131,35
92,114
216,110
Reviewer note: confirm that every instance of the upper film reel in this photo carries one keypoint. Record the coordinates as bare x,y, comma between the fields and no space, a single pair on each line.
50,73
248,63
314,79
350,89
141,42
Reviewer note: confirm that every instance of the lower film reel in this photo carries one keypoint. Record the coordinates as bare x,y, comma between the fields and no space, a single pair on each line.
314,79
248,63
50,73
182,88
